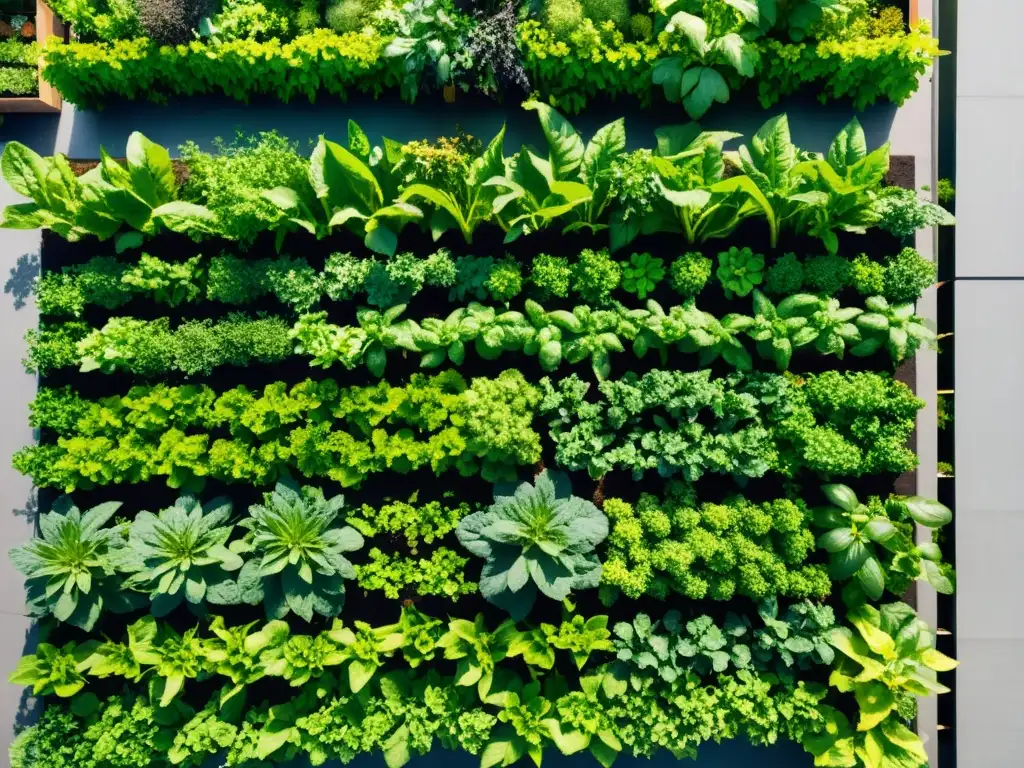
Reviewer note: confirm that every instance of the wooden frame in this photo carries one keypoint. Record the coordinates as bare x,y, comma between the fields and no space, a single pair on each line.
48,100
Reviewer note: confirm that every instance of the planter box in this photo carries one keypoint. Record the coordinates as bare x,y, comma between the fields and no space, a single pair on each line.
48,100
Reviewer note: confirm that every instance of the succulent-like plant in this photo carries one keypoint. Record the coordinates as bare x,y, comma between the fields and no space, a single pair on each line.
642,274
298,565
180,555
535,537
739,271
71,568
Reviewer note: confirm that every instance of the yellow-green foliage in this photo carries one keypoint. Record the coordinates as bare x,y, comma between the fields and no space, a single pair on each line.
709,551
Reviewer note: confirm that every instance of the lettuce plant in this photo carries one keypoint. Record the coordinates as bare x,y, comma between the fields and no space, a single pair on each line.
140,195
71,568
535,537
296,553
180,555
54,671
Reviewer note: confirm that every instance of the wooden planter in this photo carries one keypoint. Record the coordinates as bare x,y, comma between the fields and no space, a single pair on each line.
48,100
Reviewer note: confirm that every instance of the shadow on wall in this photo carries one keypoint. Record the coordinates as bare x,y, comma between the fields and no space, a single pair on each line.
22,277
202,119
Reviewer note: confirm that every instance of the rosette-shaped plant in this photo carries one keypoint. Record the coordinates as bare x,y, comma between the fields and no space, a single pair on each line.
739,270
298,565
535,537
71,568
180,555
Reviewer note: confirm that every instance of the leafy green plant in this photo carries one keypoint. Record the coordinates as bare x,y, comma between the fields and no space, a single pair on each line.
71,568
54,671
345,190
689,274
535,537
709,551
739,270
476,650
365,649
180,555
854,530
642,274
889,656
141,195
243,655
297,562
471,206
896,328
695,82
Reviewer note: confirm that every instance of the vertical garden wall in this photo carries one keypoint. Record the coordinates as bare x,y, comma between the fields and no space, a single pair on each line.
509,435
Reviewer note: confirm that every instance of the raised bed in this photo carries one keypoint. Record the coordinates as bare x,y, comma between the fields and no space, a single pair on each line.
47,99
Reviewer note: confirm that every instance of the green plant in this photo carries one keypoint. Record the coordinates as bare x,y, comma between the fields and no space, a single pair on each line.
550,275
785,276
426,41
563,16
471,203
230,181
19,81
365,649
689,273
180,555
694,81
55,671
827,274
297,562
946,191
476,650
141,195
896,328
595,276
535,537
907,275
901,212
867,276
642,274
853,530
71,568
345,188
890,656
345,15
709,551
443,574
600,11
739,270
641,27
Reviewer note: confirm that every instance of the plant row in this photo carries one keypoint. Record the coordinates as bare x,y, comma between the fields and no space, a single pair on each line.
671,685
568,52
594,276
799,322
833,424
291,554
682,187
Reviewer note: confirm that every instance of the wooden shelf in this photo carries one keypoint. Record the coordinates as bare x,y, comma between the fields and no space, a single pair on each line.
48,100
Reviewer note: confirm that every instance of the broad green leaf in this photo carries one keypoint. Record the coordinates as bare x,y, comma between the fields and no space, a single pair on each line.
693,28
608,143
565,146
151,170
742,55
928,512
700,88
876,701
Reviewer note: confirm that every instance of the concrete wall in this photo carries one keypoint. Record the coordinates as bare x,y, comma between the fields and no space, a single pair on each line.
989,366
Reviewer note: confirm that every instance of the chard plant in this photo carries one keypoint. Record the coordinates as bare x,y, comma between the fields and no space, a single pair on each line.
296,553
